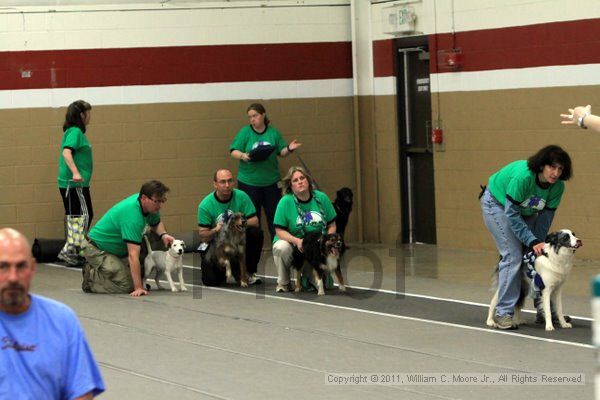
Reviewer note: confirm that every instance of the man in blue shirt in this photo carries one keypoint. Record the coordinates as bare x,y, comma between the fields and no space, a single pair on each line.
43,350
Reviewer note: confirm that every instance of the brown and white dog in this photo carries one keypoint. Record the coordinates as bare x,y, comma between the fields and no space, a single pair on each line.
553,267
323,253
230,248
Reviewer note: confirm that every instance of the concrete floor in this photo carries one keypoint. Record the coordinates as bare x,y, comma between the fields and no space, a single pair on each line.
232,343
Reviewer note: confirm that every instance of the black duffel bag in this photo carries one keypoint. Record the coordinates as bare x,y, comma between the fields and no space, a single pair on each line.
46,250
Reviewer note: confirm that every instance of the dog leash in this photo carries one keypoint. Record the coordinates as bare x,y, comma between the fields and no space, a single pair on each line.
538,283
307,170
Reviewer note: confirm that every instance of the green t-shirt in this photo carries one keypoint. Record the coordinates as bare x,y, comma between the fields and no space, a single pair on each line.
517,182
211,209
75,140
123,223
258,173
292,214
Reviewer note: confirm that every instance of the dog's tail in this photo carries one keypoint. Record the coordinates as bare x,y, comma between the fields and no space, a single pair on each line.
495,273
525,287
148,244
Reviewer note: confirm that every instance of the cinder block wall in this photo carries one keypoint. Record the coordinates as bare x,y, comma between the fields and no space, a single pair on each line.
169,89
503,104
477,149
180,144
173,117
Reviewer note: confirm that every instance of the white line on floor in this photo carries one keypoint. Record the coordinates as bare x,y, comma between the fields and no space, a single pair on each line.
428,321
422,296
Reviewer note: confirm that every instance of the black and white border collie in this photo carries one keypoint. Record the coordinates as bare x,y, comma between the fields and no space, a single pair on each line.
554,267
323,253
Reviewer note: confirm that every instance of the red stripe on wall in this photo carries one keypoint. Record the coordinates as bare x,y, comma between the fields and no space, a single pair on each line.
383,57
174,65
541,45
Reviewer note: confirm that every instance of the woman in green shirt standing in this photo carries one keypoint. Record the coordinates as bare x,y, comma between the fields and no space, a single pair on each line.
75,166
257,146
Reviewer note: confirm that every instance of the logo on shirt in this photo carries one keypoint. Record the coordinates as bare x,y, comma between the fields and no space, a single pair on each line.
8,343
534,202
260,143
310,218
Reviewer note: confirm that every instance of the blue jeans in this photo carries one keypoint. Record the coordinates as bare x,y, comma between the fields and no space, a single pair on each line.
510,249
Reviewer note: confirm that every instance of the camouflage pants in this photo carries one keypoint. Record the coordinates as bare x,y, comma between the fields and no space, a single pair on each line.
104,272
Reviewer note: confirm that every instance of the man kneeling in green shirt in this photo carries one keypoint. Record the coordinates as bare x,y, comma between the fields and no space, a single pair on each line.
118,234
212,212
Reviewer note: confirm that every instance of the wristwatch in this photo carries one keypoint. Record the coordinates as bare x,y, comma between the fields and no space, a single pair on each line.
581,120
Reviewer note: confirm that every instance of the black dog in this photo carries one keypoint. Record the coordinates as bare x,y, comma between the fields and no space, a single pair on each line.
323,253
343,207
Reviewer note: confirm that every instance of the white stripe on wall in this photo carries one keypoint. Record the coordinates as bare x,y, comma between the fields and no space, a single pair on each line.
521,78
384,86
517,78
117,95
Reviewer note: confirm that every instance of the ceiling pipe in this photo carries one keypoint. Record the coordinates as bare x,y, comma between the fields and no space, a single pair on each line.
355,107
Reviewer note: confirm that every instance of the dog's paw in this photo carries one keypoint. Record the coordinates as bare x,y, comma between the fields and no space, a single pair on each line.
183,288
297,289
321,292
243,284
549,328
342,288
173,289
566,325
490,322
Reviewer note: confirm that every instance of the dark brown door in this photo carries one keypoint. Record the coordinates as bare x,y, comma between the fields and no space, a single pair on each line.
416,157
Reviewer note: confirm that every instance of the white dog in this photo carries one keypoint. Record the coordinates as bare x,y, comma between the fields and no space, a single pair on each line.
167,262
553,267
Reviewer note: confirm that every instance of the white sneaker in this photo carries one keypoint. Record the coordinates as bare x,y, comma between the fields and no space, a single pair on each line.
254,280
282,288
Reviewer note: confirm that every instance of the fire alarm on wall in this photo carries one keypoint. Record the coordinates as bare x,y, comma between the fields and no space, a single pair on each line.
450,60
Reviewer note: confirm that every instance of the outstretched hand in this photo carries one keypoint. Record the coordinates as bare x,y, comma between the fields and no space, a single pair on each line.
294,144
575,114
